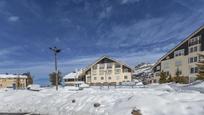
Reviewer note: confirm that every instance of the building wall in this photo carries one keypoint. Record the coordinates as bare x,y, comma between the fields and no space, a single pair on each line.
186,63
8,82
172,65
109,75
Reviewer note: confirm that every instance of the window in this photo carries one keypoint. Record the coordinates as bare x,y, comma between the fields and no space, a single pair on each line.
126,70
194,41
194,48
196,69
117,65
179,53
95,78
117,71
109,78
191,49
109,65
102,78
125,77
193,70
193,59
94,67
101,66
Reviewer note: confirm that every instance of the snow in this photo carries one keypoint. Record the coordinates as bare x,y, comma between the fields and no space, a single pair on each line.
199,85
73,75
152,99
84,85
34,87
12,76
143,69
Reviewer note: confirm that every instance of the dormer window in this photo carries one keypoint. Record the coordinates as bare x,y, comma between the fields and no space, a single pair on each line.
194,41
179,53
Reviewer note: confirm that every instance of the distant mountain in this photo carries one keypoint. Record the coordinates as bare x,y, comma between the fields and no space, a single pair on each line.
143,70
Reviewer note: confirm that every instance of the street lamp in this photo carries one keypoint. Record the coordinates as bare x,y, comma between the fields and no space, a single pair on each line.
56,50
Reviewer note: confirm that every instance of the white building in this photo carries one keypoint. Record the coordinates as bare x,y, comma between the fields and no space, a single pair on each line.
73,78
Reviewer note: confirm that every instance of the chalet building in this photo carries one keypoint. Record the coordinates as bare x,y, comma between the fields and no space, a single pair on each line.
108,70
13,81
183,58
73,78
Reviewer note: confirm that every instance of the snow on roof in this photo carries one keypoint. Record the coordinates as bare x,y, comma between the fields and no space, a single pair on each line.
73,75
70,75
12,76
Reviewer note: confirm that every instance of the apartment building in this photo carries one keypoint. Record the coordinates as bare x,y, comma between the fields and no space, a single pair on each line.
183,58
108,70
13,81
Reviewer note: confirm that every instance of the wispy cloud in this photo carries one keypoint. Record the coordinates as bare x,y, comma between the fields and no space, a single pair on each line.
132,31
13,18
129,1
7,51
150,32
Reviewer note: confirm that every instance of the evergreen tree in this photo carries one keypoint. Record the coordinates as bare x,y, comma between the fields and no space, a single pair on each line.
52,78
29,79
169,79
179,78
163,77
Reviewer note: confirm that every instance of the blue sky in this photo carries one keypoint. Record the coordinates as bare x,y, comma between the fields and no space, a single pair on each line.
133,31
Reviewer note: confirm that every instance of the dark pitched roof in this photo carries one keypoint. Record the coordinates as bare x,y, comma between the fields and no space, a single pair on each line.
186,39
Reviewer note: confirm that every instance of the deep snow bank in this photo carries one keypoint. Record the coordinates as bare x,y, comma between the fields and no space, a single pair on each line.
153,100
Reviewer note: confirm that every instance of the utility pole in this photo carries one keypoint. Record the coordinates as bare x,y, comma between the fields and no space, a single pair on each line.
56,50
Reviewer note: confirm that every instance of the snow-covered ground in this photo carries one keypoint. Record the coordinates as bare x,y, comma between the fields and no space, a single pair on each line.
154,99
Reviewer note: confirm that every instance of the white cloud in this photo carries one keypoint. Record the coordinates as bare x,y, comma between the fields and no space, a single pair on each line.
13,18
45,67
6,51
129,1
151,31
105,13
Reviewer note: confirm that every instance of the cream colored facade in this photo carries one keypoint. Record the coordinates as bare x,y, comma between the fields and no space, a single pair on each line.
108,71
9,82
183,58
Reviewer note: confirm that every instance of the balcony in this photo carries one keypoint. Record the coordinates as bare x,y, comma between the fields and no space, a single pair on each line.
194,43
